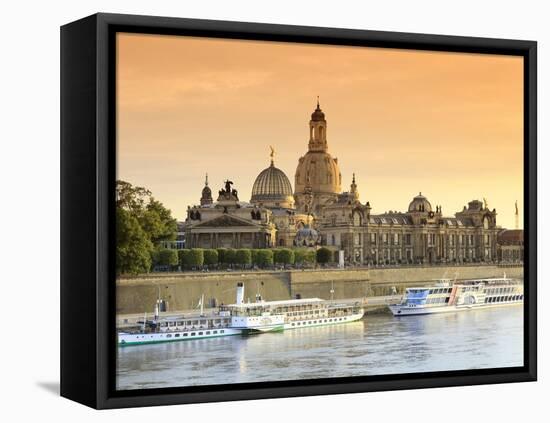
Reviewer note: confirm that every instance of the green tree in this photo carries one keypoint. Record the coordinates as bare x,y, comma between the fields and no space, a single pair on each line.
133,247
304,256
157,222
283,256
243,257
130,198
210,257
140,213
229,256
311,257
195,258
264,257
221,255
183,257
324,255
167,257
254,256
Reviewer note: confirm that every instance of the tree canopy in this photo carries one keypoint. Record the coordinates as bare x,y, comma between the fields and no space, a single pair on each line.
142,222
283,256
324,255
133,247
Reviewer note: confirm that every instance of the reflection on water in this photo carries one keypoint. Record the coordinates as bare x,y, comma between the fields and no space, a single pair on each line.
379,344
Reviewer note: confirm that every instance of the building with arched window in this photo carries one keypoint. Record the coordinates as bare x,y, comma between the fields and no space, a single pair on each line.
317,212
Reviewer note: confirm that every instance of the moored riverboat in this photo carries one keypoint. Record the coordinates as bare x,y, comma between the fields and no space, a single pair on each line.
295,313
446,297
243,318
178,329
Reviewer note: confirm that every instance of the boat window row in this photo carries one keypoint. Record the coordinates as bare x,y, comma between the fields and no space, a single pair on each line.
501,290
313,322
303,313
440,291
193,323
471,288
504,298
437,300
305,307
187,334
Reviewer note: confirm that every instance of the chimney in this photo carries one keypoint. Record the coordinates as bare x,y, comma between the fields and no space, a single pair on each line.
240,293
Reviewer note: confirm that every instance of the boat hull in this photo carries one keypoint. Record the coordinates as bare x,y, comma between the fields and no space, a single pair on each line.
127,339
399,310
262,329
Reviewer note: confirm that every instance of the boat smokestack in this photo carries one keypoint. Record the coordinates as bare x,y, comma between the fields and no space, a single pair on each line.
240,293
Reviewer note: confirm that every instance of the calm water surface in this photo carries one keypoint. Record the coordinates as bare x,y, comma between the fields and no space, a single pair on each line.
379,344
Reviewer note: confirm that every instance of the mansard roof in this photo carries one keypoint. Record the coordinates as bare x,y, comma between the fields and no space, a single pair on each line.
391,219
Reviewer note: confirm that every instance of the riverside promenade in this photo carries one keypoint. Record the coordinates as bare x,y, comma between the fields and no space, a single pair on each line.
371,305
182,290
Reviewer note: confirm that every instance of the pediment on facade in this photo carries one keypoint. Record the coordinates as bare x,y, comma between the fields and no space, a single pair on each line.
225,221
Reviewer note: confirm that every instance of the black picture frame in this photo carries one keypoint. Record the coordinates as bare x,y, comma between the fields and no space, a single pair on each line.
88,194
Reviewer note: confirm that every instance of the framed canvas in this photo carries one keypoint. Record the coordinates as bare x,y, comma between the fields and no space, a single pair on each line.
205,195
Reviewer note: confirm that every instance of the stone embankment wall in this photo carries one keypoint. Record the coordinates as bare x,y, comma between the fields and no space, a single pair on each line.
182,291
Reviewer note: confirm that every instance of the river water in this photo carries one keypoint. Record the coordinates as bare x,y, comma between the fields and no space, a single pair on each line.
378,344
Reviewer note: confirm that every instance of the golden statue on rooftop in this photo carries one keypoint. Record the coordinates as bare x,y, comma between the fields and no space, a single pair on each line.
272,154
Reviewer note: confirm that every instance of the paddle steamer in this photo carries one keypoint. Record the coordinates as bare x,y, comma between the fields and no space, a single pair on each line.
243,318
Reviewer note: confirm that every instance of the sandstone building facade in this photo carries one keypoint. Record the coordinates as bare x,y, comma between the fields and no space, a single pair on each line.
317,212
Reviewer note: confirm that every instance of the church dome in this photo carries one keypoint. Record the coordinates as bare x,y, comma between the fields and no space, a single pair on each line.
317,179
320,171
272,189
420,203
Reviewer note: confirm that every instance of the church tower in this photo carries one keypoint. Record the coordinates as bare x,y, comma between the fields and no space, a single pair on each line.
318,130
318,180
206,197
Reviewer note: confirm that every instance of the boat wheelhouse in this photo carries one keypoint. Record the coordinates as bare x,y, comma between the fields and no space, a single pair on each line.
445,297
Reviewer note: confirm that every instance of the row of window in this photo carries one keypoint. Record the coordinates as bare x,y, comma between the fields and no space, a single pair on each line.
440,291
397,239
504,298
208,332
303,313
394,239
437,300
309,307
192,323
313,322
501,290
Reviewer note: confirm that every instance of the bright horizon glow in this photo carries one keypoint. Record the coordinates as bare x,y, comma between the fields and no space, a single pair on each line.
447,124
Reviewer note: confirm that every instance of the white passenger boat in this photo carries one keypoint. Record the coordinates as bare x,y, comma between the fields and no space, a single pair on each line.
446,297
244,318
178,329
294,314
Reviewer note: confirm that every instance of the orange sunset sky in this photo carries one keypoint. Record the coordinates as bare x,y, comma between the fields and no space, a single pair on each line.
447,124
